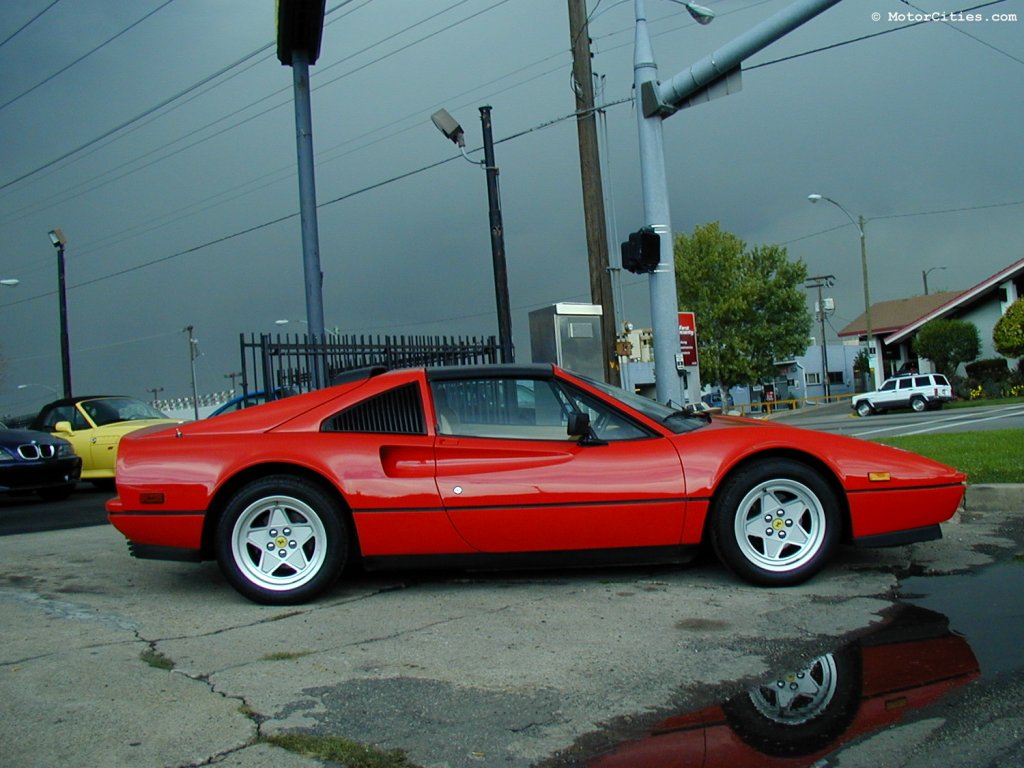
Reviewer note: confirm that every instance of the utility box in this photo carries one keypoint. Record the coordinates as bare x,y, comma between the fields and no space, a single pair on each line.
569,335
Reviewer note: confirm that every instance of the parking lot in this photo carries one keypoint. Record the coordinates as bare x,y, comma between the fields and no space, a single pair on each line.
113,661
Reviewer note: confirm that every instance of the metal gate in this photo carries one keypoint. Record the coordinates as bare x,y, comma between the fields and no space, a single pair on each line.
286,364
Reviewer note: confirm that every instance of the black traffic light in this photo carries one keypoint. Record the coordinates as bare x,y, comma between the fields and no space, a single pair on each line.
642,252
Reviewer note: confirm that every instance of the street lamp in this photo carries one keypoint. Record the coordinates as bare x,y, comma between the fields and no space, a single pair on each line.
924,277
859,224
59,241
450,127
700,14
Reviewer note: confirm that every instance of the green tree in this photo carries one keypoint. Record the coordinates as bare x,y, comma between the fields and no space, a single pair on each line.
749,306
1008,333
948,343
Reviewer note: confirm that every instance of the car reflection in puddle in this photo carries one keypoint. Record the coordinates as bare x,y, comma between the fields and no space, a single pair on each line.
801,716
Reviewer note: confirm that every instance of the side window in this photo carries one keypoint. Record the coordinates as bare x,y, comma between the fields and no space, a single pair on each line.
607,423
922,381
64,413
396,412
906,384
528,409
888,386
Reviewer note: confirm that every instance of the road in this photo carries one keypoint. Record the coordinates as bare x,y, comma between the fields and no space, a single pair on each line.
30,514
110,661
840,419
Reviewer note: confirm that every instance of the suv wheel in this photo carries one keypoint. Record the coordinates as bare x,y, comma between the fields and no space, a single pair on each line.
864,408
918,404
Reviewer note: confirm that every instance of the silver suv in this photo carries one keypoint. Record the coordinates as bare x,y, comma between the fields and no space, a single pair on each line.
920,391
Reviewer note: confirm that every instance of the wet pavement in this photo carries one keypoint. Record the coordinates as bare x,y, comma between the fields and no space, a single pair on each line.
112,661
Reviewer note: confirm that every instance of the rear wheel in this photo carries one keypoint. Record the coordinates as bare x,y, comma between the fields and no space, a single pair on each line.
776,523
282,540
918,404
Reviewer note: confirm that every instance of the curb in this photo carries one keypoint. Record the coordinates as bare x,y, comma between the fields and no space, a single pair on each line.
1002,497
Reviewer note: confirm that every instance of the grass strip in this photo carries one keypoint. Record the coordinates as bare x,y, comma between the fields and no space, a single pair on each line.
995,456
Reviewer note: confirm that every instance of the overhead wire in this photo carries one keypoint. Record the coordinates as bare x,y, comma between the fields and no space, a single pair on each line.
27,24
83,57
430,166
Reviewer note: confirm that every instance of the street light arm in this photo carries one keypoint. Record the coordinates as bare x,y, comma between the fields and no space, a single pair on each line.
815,198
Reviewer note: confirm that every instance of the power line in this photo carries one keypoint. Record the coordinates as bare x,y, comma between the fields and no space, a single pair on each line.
28,23
862,38
84,56
151,110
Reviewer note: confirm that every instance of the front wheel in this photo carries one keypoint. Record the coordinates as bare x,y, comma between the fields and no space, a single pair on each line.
281,540
864,408
776,523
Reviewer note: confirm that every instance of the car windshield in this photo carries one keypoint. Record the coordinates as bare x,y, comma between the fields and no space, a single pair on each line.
111,410
677,420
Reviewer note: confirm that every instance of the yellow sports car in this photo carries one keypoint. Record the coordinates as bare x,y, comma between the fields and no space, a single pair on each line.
94,426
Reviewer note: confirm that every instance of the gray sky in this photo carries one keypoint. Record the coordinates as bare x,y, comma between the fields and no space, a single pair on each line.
918,130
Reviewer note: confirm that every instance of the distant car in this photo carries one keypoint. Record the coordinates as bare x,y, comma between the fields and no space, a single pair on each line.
508,466
248,400
35,462
920,391
95,425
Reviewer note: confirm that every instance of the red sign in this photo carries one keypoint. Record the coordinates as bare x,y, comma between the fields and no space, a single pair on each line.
688,338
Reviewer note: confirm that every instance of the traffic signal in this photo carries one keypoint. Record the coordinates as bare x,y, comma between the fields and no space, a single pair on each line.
642,252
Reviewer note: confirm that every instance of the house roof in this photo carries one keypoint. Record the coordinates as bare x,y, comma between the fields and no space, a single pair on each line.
963,299
890,316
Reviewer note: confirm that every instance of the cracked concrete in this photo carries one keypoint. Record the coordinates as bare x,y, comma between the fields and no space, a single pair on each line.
458,670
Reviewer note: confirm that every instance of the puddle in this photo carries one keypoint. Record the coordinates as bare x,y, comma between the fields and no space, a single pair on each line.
946,632
986,607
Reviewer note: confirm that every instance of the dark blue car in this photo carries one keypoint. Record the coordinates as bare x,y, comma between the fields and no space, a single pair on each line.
36,462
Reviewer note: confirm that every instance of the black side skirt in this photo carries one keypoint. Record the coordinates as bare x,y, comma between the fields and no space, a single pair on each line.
155,552
483,561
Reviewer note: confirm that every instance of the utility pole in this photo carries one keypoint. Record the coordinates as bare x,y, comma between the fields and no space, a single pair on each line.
193,353
819,282
497,242
590,176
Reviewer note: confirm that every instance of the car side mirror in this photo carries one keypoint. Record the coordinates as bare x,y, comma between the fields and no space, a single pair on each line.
64,427
579,426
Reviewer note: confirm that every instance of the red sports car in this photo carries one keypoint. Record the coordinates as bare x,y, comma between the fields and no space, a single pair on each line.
509,466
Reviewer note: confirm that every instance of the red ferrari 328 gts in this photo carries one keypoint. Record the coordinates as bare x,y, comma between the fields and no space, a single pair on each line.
507,466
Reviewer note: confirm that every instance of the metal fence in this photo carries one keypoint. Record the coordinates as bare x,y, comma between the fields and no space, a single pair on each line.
287,363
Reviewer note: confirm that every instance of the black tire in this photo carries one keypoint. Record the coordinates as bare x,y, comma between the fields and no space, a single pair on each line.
864,408
775,522
282,540
919,404
800,713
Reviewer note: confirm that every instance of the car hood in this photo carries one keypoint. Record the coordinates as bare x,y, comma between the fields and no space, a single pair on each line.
124,427
860,464
14,437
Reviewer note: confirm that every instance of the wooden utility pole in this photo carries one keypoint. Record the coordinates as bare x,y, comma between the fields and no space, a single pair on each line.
590,175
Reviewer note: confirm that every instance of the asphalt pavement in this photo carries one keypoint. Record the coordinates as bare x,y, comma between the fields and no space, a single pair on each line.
111,661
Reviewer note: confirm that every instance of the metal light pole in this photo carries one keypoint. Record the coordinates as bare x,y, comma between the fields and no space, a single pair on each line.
859,223
654,183
924,277
193,353
299,32
59,241
450,127
715,75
